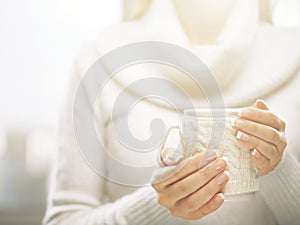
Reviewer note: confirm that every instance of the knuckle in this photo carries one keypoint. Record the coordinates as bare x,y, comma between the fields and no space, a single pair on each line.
273,118
206,173
181,188
252,127
274,136
191,203
209,191
255,143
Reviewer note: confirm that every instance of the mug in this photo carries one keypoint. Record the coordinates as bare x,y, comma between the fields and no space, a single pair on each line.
211,130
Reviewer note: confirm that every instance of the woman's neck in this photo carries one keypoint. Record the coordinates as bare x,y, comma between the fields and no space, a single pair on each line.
202,20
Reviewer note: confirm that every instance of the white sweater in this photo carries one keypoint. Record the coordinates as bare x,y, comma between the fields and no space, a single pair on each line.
268,68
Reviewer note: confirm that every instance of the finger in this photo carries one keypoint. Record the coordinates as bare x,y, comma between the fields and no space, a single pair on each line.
261,162
204,194
169,164
171,157
261,131
208,208
282,145
187,167
252,142
261,104
192,183
262,116
160,175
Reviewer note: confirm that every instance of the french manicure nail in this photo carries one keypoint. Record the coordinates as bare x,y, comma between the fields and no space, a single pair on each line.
220,164
239,123
173,158
240,113
232,122
225,159
220,197
254,153
242,136
210,156
244,113
223,178
239,135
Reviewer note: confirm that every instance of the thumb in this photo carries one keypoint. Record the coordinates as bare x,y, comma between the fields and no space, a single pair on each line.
171,156
173,161
260,104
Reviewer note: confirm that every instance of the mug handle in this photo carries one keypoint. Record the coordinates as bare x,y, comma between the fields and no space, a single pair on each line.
160,160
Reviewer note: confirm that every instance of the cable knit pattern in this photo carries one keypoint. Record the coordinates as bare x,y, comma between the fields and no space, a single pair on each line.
199,133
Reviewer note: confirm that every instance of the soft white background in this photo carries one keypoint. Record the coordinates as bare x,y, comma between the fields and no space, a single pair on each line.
39,40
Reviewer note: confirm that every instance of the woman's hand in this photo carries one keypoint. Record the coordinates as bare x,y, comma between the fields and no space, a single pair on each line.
188,191
263,132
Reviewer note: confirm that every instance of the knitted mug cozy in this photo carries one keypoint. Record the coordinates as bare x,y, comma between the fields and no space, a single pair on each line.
199,133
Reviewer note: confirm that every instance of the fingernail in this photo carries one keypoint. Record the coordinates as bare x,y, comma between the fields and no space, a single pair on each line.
225,159
210,156
242,136
173,158
254,153
174,155
219,198
232,122
239,123
223,178
240,113
245,112
221,164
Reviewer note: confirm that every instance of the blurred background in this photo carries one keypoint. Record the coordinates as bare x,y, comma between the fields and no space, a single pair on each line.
38,41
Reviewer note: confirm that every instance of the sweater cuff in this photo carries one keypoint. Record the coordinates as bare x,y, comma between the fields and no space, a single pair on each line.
143,209
280,190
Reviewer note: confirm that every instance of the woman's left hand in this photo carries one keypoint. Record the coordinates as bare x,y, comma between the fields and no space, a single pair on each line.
262,131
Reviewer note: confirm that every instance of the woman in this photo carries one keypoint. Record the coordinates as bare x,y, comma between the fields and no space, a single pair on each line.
250,59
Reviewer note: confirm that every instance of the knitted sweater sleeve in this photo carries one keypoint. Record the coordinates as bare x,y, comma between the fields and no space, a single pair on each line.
280,188
76,192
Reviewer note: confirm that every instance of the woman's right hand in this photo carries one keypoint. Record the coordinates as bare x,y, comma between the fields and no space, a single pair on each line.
188,191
